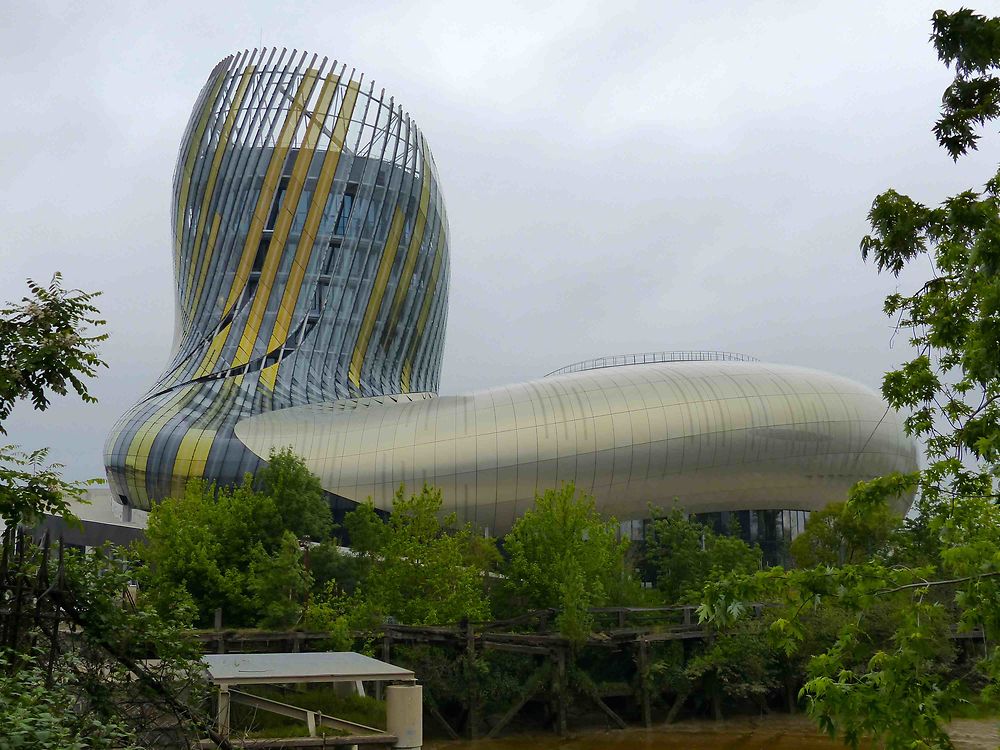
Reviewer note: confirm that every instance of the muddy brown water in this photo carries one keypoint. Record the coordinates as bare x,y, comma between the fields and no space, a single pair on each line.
777,733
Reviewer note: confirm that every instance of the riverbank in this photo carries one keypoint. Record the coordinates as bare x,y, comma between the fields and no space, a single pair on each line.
776,732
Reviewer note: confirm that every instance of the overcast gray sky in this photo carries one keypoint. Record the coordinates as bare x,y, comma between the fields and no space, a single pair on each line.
619,176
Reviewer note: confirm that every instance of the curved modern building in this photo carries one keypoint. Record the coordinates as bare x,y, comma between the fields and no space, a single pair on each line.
310,262
311,265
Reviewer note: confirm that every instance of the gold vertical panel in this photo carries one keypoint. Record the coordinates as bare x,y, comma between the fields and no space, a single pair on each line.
416,240
272,259
137,455
211,357
283,225
269,375
276,246
209,250
188,168
310,229
192,453
266,196
424,312
213,175
375,300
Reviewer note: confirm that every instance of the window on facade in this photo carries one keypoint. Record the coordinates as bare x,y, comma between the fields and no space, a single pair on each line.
330,263
258,261
276,206
346,206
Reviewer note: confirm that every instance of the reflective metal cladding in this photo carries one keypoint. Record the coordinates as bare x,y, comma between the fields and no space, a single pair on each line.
311,270
714,435
310,263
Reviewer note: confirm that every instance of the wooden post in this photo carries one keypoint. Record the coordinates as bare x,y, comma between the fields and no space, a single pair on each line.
223,715
218,631
433,710
533,685
470,656
559,683
643,663
716,700
386,655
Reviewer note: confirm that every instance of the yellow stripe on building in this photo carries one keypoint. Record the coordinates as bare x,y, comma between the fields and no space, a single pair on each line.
188,168
425,310
192,456
375,300
412,251
310,229
206,198
282,227
267,191
211,358
137,455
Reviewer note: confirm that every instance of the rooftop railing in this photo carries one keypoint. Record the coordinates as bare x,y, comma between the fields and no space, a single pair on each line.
647,358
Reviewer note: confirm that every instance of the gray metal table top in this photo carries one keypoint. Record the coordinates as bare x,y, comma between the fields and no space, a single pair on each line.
324,666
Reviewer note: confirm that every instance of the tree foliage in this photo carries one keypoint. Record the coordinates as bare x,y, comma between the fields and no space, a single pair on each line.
44,347
419,567
297,495
684,555
223,547
842,534
564,554
279,583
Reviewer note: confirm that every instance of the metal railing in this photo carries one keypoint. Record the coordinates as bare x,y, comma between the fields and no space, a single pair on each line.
619,360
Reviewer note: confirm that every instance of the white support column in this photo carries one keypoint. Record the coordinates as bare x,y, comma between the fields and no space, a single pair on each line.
404,714
223,717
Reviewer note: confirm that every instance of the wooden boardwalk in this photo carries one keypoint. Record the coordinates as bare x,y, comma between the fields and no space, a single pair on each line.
629,631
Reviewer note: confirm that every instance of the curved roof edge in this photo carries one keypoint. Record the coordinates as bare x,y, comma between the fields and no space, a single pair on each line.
647,358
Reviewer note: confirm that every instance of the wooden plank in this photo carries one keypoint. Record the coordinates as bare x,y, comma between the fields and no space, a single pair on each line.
593,695
534,683
516,648
432,708
289,743
302,714
560,685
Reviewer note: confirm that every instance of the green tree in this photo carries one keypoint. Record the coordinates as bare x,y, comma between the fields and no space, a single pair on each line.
841,535
419,568
207,548
297,494
279,583
564,554
44,347
684,555
951,389
237,547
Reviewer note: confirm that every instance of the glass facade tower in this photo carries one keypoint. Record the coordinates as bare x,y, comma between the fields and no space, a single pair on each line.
310,264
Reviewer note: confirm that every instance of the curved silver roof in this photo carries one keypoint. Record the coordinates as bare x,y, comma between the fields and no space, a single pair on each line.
714,435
